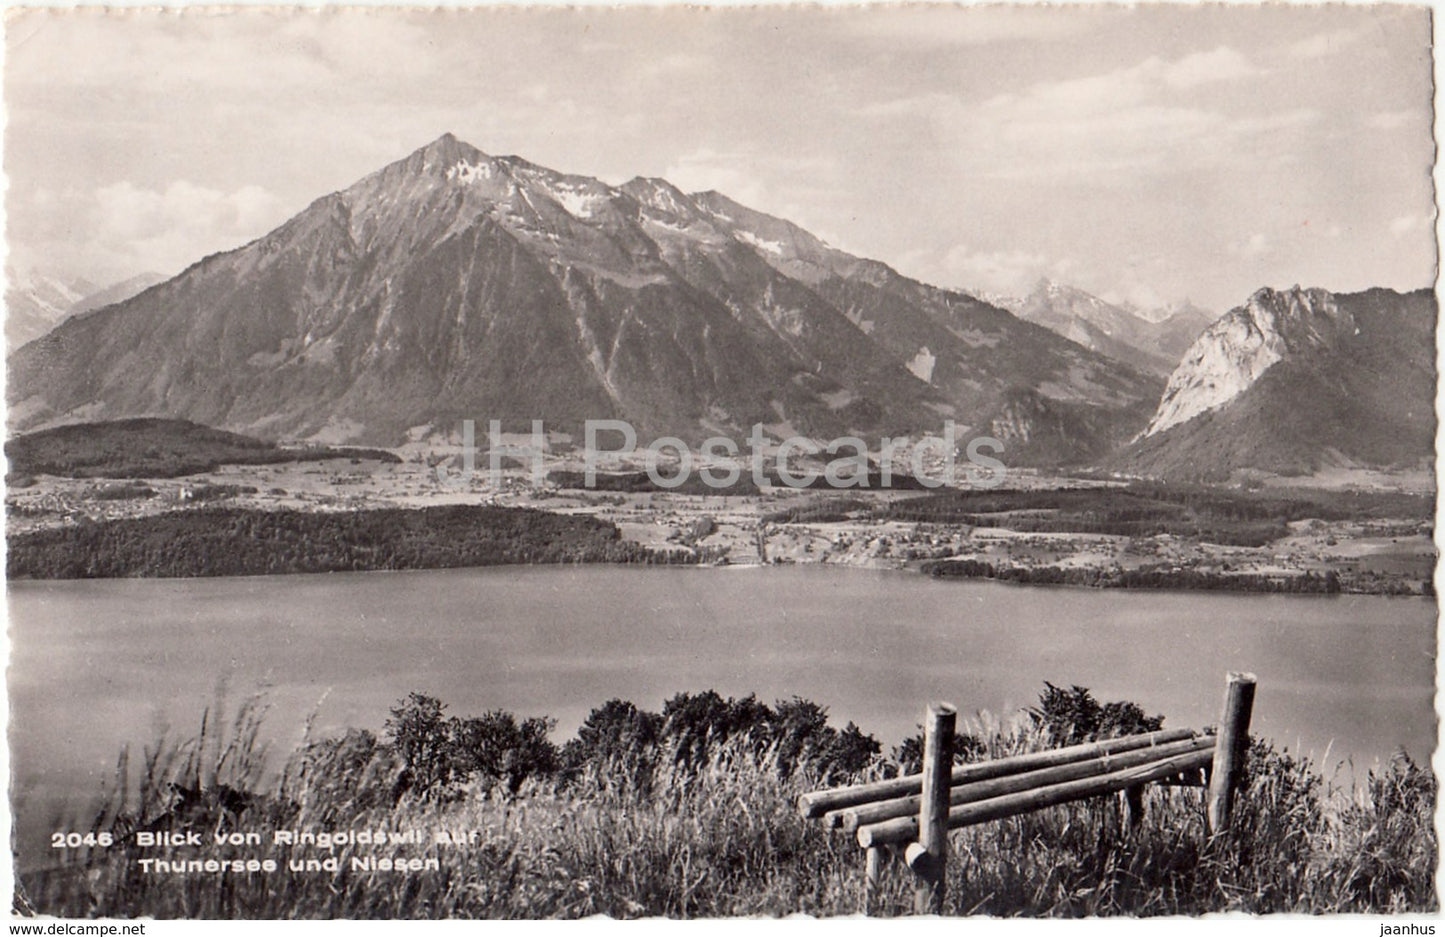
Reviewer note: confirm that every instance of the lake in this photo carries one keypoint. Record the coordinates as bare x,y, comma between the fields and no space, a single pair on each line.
97,664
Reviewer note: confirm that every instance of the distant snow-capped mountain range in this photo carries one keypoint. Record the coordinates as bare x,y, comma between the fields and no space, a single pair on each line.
35,303
1149,339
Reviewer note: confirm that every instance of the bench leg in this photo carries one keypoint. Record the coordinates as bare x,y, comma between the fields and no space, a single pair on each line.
1131,809
874,876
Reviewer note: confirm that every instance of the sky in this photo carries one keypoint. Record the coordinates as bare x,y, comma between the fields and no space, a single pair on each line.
1148,155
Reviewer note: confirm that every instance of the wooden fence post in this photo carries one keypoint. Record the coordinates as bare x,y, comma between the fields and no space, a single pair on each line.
873,877
928,857
1231,749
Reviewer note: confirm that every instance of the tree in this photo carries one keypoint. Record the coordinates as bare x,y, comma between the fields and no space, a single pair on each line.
696,721
419,734
849,752
499,748
617,738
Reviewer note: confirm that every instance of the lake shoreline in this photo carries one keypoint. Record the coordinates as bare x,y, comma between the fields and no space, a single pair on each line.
102,551
1045,531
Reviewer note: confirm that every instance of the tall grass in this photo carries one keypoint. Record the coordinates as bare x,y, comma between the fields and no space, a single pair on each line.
720,836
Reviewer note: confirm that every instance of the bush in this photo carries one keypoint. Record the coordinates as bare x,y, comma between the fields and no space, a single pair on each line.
499,748
494,747
793,735
697,722
343,776
619,739
419,733
618,742
909,755
1072,716
805,742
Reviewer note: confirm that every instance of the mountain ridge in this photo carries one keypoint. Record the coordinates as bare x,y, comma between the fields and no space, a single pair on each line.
451,284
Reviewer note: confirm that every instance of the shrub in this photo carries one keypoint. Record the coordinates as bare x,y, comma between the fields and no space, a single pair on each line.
494,747
345,775
619,739
696,722
805,742
909,755
627,742
499,748
1072,716
419,733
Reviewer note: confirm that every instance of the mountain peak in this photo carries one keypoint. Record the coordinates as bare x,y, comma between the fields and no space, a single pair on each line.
1297,379
442,155
1231,354
659,194
448,145
1294,296
452,283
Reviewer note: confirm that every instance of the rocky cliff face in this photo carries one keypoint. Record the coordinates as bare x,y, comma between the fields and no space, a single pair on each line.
1231,354
453,284
1297,380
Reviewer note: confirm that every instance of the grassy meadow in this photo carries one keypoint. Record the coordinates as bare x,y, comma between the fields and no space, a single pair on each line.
691,813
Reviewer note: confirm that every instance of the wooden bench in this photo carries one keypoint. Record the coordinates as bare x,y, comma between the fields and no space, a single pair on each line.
913,814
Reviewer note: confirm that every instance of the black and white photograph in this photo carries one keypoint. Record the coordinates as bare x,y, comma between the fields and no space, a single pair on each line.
843,461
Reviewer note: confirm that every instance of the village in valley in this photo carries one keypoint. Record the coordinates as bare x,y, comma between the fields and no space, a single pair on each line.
776,524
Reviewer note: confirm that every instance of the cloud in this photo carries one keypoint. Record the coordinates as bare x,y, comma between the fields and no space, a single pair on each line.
1148,117
1135,294
1149,80
788,185
1393,120
729,173
921,27
127,212
921,105
676,63
122,229
1256,245
1405,225
1201,68
1322,44
999,272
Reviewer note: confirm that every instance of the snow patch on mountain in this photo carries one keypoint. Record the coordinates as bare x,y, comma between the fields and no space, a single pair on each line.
772,247
856,317
922,365
655,222
469,173
578,204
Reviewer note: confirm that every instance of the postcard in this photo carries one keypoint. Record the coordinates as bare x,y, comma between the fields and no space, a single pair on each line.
543,462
